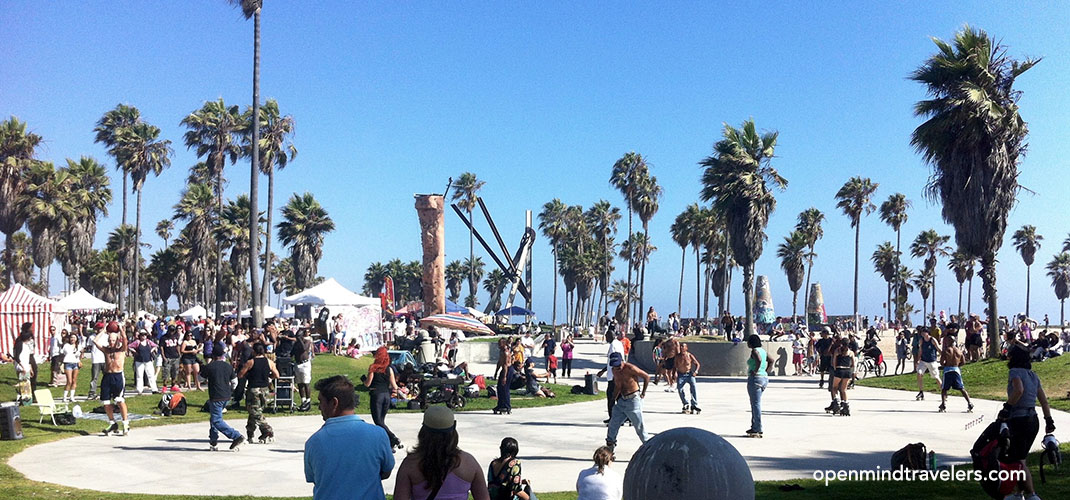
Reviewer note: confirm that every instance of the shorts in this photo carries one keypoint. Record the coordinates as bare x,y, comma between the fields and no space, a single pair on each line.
112,386
842,373
826,364
797,358
188,360
1023,432
953,380
303,373
668,364
928,366
71,366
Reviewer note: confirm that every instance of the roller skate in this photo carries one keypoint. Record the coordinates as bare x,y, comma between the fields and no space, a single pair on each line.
686,410
920,396
611,445
112,429
213,447
942,408
235,443
251,438
969,407
267,438
845,409
753,433
833,408
695,410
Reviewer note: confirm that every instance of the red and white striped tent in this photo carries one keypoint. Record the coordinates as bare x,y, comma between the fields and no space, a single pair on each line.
19,305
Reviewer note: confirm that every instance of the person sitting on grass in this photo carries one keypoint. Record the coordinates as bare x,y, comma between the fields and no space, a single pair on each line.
504,480
531,381
600,482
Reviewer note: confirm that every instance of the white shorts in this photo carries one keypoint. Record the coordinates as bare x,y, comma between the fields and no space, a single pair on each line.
303,373
928,366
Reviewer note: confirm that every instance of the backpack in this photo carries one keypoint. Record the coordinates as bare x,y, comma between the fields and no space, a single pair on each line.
986,453
911,456
172,404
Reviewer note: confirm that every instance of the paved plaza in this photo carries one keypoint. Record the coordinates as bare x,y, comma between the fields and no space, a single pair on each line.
555,442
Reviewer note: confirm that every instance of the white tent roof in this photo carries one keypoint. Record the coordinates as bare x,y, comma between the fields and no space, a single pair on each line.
194,312
82,300
269,312
330,293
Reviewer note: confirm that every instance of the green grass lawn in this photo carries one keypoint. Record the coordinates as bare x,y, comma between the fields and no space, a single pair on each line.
988,379
14,485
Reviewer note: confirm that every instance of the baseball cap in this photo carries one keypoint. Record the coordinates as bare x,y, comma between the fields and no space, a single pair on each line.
439,419
615,359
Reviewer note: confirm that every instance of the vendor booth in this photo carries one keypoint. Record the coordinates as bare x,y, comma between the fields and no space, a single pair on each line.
19,305
361,316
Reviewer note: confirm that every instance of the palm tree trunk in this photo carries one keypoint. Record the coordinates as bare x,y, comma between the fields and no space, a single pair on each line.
266,288
472,260
219,247
628,291
553,317
969,296
1027,273
888,304
1062,316
728,291
121,302
898,235
806,291
794,304
988,282
680,297
137,257
748,299
854,313
257,300
9,255
933,304
705,311
642,273
960,303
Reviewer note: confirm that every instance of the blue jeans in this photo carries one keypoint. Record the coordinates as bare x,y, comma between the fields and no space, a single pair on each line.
215,410
755,387
686,378
627,409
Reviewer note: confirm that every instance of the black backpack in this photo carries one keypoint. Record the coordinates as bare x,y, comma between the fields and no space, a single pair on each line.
172,404
912,456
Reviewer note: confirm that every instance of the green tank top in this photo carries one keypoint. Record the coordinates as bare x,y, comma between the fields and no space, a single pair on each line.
762,365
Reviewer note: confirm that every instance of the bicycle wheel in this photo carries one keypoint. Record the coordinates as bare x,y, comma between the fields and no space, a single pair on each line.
883,368
864,370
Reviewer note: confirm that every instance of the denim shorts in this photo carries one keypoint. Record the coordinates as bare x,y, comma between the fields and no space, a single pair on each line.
71,366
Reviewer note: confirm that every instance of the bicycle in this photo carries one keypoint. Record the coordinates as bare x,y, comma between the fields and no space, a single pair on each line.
870,365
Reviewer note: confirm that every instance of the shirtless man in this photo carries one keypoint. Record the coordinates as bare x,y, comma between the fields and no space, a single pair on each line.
951,359
629,399
974,340
503,358
113,386
669,349
686,366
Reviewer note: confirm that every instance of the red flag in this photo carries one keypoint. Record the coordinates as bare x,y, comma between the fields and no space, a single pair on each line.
387,296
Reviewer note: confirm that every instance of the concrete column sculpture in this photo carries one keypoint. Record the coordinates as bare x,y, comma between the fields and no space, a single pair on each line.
688,463
763,303
429,208
815,310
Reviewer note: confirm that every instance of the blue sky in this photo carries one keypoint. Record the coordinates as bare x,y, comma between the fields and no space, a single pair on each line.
539,100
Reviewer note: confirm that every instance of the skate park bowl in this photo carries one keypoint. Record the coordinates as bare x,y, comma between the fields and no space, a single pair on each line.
691,463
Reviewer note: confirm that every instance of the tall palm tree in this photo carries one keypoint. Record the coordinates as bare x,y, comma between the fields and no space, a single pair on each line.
121,241
854,199
792,254
961,264
894,213
885,261
553,225
165,268
283,280
466,194
924,282
493,284
375,278
107,133
930,245
143,153
1027,242
163,230
18,152
619,293
276,152
1059,272
46,203
303,227
809,224
904,284
602,219
646,206
972,138
215,132
682,231
197,208
233,230
739,179
473,268
455,276
89,198
251,9
626,175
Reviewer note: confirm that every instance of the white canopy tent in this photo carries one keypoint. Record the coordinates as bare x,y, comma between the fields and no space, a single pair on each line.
82,300
330,293
194,312
269,312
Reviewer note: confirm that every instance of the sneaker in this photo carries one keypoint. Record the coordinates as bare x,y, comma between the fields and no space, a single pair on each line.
237,442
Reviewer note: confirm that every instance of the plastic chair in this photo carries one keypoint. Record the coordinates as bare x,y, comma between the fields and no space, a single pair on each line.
48,406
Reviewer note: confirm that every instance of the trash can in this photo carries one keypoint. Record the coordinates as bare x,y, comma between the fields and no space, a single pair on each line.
10,422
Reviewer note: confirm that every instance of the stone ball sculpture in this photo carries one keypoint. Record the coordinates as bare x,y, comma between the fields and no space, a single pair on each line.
688,463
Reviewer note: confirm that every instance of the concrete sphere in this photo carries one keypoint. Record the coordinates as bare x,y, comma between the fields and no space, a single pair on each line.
688,463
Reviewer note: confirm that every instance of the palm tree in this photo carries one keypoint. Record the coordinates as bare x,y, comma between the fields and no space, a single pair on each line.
165,268
854,199
626,175
121,241
251,9
493,284
646,205
962,265
455,275
143,153
924,282
215,132
792,254
466,194
904,284
276,152
473,268
738,179
234,232
21,263
1027,242
303,226
619,293
1059,272
553,225
89,198
283,278
810,225
18,152
602,219
46,204
682,231
107,133
973,137
885,262
163,230
930,245
894,213
197,208
375,278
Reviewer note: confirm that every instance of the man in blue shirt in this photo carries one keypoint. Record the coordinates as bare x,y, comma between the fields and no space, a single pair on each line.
347,458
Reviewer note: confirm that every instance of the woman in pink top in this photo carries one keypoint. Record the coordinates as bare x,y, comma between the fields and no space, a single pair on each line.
566,356
437,467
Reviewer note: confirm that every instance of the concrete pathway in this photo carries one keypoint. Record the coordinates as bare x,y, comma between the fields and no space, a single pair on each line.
555,442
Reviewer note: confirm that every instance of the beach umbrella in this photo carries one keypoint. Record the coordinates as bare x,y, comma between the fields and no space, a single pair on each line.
456,322
514,311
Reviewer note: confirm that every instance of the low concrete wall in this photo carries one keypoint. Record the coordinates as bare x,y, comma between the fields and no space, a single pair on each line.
478,352
719,358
